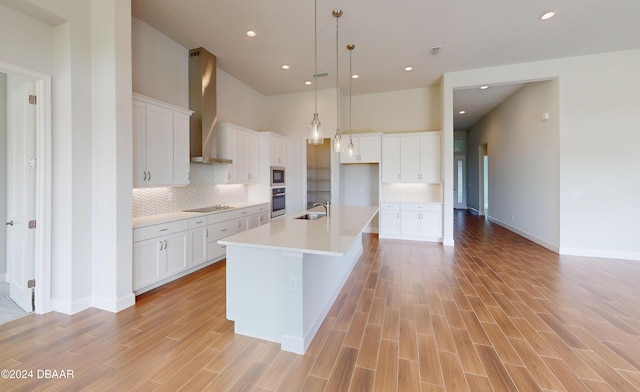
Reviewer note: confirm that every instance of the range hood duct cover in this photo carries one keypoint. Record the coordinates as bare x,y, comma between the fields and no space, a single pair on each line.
203,102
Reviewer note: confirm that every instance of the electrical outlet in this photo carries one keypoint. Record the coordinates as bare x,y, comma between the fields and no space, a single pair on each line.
293,283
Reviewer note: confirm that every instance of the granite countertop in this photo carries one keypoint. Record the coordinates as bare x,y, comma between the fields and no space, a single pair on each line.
331,235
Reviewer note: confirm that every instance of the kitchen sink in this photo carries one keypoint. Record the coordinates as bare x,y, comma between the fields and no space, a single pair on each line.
311,216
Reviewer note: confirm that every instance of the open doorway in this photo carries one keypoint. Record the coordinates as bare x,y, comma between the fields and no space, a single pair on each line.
25,192
483,164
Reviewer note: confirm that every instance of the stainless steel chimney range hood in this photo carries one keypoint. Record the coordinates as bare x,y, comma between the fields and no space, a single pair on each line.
203,102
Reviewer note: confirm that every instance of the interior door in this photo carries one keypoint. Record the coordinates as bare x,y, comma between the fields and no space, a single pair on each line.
21,169
459,181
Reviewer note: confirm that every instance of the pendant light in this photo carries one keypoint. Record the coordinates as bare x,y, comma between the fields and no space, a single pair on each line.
350,47
337,138
315,137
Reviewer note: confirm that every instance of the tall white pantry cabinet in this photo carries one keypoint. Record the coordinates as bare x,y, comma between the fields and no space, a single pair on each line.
411,158
160,143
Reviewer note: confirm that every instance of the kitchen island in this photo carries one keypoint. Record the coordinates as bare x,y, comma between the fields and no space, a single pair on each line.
283,277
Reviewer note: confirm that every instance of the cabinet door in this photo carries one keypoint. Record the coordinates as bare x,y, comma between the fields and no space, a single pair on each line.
410,223
390,222
263,218
146,262
242,157
198,243
180,149
431,224
177,253
253,160
430,158
390,159
369,149
159,125
253,221
278,151
410,158
139,144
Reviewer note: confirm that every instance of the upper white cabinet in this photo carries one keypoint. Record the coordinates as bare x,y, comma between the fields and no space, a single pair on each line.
242,146
366,149
390,167
278,150
411,158
160,143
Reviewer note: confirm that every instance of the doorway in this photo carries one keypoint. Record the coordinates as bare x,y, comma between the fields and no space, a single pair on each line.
25,189
483,164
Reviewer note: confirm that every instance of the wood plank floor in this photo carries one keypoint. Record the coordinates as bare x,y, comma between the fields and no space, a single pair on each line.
496,312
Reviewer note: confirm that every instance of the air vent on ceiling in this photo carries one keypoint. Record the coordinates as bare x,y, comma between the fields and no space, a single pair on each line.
434,50
321,74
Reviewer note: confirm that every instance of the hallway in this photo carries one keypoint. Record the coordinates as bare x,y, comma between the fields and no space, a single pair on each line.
497,312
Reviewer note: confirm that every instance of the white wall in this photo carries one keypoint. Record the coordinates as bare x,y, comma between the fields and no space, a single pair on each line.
3,175
160,66
523,162
598,137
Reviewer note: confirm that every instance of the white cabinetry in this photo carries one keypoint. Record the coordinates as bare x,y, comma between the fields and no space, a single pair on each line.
166,251
241,145
390,166
198,233
278,150
366,149
159,251
411,158
411,221
160,143
389,219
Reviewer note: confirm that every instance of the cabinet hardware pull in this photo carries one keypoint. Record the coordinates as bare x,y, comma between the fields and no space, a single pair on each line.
10,223
165,244
145,175
197,223
206,233
224,229
149,176
165,229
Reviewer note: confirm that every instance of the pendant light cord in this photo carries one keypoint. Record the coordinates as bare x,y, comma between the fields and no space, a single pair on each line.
337,89
315,44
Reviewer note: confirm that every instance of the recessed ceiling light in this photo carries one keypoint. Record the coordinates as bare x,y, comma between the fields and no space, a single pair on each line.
408,69
548,15
307,82
462,112
251,33
484,87
355,76
285,66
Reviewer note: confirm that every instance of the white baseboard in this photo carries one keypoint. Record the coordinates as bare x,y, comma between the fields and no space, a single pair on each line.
70,308
114,306
601,253
552,247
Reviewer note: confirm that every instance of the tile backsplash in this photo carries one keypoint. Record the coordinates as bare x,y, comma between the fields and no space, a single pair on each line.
411,193
201,192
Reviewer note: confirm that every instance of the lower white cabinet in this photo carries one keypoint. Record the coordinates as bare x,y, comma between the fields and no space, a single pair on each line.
411,221
198,233
169,250
159,251
390,219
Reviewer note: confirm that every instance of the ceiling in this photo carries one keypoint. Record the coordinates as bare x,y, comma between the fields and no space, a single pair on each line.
390,36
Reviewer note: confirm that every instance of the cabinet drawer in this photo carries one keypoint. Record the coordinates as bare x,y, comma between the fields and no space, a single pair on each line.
389,206
198,222
257,209
145,233
222,229
421,207
221,216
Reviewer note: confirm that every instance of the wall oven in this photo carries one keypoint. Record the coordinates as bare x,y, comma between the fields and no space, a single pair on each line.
277,176
278,204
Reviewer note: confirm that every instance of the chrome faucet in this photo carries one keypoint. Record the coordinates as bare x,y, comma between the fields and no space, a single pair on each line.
325,204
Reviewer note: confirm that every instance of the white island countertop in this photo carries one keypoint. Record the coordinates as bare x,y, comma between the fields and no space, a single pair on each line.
332,236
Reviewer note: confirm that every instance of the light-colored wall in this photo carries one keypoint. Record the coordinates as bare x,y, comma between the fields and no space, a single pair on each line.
598,123
60,43
523,163
160,66
3,175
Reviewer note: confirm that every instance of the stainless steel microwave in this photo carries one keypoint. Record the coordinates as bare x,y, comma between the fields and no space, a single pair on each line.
277,176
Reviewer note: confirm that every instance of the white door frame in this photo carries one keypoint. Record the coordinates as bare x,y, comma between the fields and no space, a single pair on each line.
42,265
